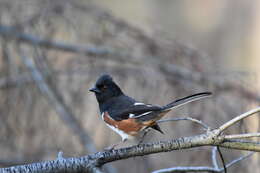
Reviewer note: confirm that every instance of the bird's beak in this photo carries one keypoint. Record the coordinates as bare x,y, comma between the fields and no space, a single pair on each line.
95,90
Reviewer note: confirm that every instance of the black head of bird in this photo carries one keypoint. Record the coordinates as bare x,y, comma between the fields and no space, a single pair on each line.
105,88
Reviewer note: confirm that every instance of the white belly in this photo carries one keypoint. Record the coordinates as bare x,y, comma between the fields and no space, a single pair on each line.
123,135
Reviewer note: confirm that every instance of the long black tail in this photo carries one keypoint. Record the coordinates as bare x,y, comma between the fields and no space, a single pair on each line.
186,100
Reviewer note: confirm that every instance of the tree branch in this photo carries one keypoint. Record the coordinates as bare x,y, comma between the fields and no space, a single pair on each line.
247,135
9,32
179,169
92,162
12,33
222,159
204,125
98,159
214,157
239,159
241,145
62,110
238,118
202,168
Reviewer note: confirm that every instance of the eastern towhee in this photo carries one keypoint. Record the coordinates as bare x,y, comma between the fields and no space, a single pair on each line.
125,115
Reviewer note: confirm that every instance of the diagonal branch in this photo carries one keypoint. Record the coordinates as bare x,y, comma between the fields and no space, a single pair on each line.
62,110
239,159
238,118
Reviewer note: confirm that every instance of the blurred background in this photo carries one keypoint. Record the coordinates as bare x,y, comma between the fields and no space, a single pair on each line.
52,52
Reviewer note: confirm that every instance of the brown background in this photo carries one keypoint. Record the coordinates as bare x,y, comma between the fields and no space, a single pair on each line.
212,46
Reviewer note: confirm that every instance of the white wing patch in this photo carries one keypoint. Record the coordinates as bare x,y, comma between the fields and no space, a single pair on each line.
138,103
137,116
131,115
145,113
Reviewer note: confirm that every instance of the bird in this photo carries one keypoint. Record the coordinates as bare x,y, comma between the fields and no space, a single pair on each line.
127,116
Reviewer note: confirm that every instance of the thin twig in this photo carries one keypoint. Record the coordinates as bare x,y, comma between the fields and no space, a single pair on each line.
238,160
242,141
214,157
202,168
204,125
241,145
238,118
222,159
187,169
241,136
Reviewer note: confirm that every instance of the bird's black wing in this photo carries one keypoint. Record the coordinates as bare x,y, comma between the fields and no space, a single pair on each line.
146,112
134,111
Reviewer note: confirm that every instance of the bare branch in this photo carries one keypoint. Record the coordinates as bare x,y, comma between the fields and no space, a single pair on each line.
222,159
14,80
239,159
214,157
202,168
241,145
238,118
88,163
247,135
187,169
9,32
204,125
62,110
12,33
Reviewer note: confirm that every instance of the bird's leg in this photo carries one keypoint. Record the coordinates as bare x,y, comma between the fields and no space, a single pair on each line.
145,133
112,147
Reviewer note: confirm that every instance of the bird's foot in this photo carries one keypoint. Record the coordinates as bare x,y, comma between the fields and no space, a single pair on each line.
142,138
110,148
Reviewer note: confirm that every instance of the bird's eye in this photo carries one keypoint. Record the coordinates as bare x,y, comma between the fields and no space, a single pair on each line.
102,87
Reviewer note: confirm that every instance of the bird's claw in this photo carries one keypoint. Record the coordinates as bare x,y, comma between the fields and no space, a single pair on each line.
110,148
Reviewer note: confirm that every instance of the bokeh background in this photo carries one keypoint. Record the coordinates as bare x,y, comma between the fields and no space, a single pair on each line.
156,51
